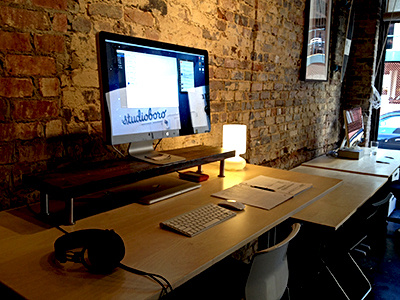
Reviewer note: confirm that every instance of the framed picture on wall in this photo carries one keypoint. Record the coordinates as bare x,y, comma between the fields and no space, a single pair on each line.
317,37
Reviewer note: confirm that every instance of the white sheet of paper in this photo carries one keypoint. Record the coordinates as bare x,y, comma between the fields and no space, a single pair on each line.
279,185
248,193
253,196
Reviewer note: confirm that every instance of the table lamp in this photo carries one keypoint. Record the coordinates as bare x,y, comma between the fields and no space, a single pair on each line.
234,138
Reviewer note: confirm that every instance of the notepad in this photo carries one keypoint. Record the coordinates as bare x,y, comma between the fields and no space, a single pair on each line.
263,191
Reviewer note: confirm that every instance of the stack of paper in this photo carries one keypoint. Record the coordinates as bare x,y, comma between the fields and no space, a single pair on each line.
264,192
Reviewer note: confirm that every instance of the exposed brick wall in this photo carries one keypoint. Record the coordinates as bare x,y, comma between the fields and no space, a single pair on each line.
363,59
49,96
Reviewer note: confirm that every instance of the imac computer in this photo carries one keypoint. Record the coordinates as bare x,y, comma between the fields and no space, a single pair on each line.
151,90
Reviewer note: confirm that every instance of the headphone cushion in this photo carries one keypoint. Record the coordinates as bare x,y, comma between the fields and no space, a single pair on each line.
105,248
106,252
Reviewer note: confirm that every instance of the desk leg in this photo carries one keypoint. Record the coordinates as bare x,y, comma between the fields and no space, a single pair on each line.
44,204
222,168
69,209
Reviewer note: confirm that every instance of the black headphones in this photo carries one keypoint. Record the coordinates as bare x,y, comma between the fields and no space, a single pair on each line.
101,250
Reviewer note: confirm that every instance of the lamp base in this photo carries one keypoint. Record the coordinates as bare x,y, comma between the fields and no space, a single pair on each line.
236,163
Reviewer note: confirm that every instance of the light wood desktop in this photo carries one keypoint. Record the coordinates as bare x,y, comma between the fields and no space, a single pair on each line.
335,208
367,165
27,262
361,180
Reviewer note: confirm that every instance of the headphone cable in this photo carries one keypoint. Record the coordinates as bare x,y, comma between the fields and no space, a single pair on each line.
164,286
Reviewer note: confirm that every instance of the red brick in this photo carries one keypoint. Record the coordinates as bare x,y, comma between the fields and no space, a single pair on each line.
256,86
221,73
49,43
105,10
7,132
24,19
5,181
152,34
15,87
231,63
54,128
34,109
33,152
229,4
49,87
28,131
30,65
6,154
60,23
81,24
4,110
16,1
258,67
138,16
56,4
14,41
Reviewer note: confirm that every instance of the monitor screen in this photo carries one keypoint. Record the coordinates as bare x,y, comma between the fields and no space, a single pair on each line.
354,126
151,90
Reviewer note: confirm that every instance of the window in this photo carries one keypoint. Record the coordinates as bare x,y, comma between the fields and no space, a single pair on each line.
389,119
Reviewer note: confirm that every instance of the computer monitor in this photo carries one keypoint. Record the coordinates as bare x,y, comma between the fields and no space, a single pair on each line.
354,126
151,90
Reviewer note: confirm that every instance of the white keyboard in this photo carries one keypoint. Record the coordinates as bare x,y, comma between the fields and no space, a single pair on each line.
198,220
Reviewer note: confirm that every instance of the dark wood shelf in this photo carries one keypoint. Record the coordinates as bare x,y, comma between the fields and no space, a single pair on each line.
70,182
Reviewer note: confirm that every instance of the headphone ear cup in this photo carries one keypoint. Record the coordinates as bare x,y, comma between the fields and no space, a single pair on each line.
105,252
70,241
104,249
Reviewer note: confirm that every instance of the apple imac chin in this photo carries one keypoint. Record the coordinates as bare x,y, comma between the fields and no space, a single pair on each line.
151,90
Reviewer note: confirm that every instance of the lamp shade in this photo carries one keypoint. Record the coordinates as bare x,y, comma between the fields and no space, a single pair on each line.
234,138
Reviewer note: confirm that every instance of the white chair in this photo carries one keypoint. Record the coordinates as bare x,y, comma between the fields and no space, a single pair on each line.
269,272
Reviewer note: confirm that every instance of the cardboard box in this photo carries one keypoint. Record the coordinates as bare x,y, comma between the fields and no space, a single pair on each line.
350,153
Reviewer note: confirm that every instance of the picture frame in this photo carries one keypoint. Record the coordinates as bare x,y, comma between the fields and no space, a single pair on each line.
317,40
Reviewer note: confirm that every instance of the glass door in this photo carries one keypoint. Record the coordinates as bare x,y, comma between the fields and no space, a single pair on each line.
389,119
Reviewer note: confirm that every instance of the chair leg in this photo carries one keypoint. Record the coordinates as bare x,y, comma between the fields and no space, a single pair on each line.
340,286
360,251
334,278
363,275
366,246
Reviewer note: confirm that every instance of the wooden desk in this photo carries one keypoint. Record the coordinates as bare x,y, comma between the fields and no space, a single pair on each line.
367,165
27,264
335,208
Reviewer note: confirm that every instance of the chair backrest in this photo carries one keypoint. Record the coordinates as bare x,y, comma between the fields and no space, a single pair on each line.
269,271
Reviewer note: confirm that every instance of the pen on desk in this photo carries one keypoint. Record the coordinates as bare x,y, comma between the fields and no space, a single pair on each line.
382,162
262,188
389,157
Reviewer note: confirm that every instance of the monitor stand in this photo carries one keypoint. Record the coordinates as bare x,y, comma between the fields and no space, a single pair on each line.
143,150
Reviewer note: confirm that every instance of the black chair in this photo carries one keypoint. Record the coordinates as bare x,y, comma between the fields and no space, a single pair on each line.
364,229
